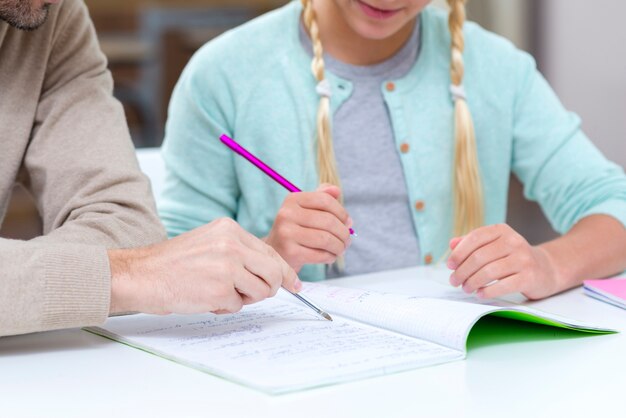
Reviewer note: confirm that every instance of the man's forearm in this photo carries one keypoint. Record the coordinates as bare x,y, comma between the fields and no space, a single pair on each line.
121,285
133,286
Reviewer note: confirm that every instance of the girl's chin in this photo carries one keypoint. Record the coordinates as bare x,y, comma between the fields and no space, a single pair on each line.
375,32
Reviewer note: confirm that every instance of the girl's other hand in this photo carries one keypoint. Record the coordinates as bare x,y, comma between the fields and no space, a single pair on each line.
311,227
495,260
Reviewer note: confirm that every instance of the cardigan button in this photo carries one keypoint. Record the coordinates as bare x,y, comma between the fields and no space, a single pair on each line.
390,86
405,148
419,205
428,259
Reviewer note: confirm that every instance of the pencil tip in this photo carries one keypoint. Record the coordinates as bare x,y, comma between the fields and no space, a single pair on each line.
328,317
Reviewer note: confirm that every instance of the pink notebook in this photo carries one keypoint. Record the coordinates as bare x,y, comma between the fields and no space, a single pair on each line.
611,291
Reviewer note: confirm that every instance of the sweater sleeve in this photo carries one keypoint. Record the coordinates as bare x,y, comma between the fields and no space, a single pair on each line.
81,169
558,164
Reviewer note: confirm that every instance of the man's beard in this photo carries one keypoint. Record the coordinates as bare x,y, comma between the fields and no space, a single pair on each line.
21,14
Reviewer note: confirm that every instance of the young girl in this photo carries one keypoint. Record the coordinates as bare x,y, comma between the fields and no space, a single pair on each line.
412,121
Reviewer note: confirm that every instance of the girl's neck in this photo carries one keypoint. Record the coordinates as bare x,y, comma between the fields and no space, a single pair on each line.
344,44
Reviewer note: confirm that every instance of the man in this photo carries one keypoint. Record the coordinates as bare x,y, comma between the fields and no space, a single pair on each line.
64,138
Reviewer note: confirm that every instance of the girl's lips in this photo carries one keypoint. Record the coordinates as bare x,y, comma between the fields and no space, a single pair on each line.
375,13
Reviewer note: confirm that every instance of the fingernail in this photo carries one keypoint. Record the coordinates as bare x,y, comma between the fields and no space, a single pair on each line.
451,265
349,222
467,290
480,294
453,280
297,285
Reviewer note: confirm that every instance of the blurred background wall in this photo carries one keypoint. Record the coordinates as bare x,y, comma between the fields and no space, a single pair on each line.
580,49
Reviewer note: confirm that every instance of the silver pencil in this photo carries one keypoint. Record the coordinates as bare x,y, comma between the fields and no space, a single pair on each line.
311,305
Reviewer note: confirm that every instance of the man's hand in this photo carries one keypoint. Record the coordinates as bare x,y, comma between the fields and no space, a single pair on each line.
311,228
215,268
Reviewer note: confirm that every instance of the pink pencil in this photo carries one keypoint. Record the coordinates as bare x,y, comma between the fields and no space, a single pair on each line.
230,143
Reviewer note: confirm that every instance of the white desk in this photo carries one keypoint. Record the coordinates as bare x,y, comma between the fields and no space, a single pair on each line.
538,372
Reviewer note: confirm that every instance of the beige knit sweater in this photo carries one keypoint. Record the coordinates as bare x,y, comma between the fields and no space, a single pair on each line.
64,137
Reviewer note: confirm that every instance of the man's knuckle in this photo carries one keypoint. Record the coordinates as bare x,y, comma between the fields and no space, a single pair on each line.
226,246
225,223
272,253
230,270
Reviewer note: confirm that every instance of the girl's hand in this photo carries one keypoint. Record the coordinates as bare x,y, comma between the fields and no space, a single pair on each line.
495,260
311,228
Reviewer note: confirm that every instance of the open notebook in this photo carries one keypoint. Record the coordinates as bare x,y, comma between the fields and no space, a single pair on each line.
280,345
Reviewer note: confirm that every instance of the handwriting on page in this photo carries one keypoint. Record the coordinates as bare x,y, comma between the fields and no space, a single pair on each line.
444,322
277,344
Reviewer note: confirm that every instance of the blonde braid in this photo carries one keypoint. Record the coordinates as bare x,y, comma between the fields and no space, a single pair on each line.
468,192
327,164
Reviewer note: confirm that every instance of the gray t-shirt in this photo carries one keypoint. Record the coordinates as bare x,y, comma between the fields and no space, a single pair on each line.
372,178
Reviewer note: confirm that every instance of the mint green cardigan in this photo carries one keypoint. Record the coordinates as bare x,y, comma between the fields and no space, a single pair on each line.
254,84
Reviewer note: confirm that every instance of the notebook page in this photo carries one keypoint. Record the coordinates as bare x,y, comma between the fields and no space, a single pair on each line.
445,322
277,345
441,321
